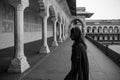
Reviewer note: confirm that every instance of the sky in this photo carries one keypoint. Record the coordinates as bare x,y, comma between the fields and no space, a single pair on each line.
102,9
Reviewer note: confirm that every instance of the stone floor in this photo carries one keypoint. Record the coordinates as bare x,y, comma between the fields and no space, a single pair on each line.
56,65
101,67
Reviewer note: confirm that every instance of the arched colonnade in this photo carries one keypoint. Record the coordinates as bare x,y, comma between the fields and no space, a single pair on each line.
104,33
43,20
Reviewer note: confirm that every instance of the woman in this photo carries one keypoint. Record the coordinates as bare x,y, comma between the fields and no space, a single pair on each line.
79,60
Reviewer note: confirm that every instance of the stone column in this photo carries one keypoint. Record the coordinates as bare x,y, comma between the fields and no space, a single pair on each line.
54,32
60,33
65,32
63,36
84,24
19,62
44,48
84,29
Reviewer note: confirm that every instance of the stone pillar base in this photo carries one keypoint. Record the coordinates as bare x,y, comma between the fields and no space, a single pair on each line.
60,40
18,65
54,43
63,38
44,49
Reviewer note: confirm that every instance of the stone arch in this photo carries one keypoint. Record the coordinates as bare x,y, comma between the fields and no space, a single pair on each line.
105,29
94,29
110,29
116,29
88,29
31,16
79,22
50,23
59,28
99,29
52,12
57,24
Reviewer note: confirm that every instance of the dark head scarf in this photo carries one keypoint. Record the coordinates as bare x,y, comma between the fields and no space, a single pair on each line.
78,36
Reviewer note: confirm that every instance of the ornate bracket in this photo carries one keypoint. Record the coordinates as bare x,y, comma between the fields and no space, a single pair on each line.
19,4
54,19
42,8
41,5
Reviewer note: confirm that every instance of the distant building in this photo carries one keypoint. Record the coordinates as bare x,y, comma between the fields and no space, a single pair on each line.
105,31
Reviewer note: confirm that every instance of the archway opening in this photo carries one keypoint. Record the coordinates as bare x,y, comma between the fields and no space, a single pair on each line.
77,22
88,29
50,25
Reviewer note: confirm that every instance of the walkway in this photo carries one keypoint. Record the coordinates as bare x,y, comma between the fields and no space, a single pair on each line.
57,65
101,67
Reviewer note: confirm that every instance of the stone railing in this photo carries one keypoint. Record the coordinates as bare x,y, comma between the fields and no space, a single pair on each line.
114,56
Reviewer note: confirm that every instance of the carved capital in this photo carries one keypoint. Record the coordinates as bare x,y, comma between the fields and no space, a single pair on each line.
42,8
59,22
19,4
63,24
41,5
43,14
53,19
